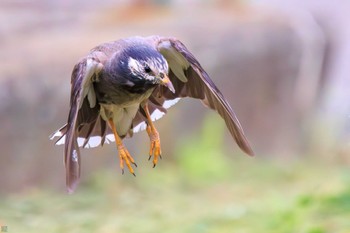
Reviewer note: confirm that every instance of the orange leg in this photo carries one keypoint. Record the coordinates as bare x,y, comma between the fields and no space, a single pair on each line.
154,137
124,154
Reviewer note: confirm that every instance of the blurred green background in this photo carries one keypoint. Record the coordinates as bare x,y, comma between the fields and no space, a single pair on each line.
283,66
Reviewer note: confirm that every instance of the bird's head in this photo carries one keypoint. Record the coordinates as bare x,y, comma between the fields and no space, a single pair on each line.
151,69
143,67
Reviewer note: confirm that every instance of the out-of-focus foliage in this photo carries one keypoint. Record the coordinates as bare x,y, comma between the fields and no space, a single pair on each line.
219,194
201,157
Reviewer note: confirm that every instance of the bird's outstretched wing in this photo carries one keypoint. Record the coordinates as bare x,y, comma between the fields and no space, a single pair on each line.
190,80
83,115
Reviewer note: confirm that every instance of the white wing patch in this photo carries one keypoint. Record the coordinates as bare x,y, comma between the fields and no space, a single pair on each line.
75,156
58,134
94,141
61,141
109,138
168,103
156,115
140,127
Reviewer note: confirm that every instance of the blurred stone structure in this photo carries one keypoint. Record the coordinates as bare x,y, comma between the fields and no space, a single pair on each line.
282,68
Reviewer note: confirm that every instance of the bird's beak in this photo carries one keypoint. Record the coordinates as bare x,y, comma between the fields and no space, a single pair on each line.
166,82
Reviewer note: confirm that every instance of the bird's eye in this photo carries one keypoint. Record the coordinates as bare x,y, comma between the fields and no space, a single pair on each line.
161,75
147,69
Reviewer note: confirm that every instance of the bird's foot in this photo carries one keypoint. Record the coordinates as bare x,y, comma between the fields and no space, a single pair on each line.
126,158
155,150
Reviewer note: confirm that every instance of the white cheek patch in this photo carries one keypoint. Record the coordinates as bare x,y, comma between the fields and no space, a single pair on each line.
134,65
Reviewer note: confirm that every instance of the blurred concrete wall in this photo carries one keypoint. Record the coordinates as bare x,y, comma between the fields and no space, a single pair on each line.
276,67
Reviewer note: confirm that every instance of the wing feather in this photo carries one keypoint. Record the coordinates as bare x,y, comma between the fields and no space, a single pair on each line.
198,85
83,114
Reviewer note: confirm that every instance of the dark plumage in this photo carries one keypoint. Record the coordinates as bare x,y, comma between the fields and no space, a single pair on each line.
121,87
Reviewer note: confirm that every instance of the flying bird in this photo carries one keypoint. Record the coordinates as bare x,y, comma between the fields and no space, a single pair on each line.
122,87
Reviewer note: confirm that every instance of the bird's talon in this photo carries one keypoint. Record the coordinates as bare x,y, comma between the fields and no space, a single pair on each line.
125,159
155,150
153,134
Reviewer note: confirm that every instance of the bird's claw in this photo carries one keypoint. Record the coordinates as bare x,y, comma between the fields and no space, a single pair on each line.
126,158
155,149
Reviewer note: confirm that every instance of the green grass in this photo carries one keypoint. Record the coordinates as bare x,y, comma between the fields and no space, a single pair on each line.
201,190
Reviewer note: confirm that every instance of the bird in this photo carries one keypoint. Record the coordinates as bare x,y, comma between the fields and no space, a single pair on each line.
121,87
